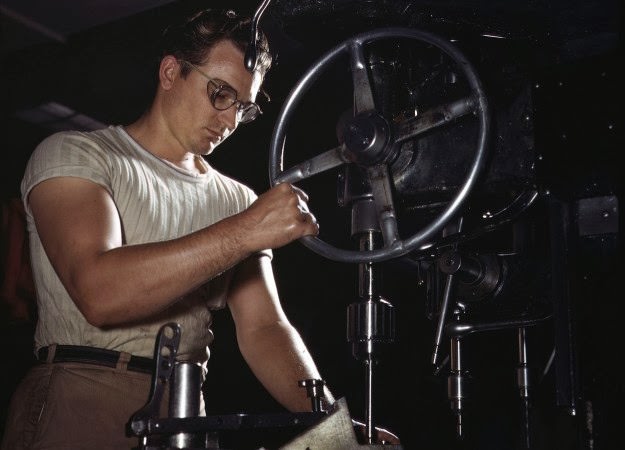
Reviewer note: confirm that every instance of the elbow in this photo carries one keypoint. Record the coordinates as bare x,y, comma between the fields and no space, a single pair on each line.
94,315
97,321
94,307
97,300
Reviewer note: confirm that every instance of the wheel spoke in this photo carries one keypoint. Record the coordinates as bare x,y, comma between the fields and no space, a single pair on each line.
434,117
383,198
317,164
363,94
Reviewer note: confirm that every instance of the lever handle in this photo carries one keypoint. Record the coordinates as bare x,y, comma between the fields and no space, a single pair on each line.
251,53
314,390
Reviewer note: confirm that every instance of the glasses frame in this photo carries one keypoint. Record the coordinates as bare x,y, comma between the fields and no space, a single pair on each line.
243,108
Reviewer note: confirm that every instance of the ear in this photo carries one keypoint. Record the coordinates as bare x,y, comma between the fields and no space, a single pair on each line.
168,71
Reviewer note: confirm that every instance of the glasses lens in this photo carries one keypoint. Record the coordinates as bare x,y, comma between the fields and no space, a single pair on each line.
249,112
223,97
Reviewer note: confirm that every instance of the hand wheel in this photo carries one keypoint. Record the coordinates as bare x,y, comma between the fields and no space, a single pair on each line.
372,141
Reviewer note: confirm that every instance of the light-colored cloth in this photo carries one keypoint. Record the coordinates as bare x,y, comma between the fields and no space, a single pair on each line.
75,406
156,201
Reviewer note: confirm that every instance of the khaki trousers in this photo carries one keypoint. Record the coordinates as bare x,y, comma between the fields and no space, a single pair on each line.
73,406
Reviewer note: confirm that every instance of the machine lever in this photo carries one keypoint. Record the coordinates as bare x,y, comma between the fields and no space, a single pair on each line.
166,350
450,229
251,54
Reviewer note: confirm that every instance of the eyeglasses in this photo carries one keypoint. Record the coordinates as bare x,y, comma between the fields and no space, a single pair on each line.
224,97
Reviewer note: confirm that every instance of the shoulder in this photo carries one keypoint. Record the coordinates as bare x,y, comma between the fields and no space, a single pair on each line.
71,153
98,148
65,141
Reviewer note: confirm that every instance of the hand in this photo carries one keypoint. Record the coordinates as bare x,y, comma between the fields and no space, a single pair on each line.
280,216
381,435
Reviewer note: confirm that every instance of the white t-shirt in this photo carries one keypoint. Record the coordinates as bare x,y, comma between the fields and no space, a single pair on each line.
156,201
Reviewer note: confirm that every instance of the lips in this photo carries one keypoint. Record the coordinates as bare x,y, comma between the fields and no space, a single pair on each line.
214,135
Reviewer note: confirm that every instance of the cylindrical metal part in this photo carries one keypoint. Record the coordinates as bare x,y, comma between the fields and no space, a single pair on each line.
185,400
369,425
455,384
523,383
314,391
370,322
364,217
366,285
523,376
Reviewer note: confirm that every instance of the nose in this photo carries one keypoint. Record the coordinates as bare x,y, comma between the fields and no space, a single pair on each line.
229,118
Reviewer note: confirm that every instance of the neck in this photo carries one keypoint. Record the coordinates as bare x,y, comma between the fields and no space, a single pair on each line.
145,132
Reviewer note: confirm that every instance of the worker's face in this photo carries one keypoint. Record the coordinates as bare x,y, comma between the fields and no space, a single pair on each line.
194,120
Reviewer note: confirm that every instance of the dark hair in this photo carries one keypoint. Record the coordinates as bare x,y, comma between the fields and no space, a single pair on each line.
192,39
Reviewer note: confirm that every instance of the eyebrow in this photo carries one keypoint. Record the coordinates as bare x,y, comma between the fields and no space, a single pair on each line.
221,82
217,81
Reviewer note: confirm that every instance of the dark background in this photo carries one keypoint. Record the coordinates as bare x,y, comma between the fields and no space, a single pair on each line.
97,58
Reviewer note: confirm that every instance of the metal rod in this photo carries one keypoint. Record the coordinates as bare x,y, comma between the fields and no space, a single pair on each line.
370,427
523,383
442,317
366,291
251,54
455,384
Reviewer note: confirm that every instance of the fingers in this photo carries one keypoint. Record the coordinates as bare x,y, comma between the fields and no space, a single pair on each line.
281,215
297,191
309,221
387,437
301,194
304,213
383,435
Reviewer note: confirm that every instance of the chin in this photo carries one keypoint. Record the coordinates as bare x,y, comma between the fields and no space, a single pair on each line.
211,147
207,146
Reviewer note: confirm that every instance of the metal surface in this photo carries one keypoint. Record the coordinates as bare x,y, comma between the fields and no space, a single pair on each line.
184,401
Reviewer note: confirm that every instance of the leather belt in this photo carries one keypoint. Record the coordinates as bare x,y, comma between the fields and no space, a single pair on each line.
96,356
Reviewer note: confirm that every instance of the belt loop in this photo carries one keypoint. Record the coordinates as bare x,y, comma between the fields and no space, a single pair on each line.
51,353
122,362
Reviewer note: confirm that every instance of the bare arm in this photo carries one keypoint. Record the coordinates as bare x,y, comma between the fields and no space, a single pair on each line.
112,283
270,345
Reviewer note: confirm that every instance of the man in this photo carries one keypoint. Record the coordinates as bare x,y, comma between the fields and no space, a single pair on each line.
130,228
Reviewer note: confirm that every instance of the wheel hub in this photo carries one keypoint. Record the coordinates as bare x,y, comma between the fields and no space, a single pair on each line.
367,138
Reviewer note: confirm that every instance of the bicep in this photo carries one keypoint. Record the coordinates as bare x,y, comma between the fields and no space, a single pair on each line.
76,220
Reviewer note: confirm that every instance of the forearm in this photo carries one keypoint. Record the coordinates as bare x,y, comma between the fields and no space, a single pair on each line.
128,283
279,359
